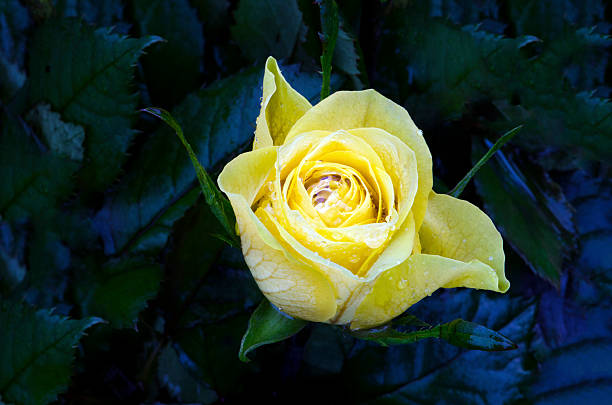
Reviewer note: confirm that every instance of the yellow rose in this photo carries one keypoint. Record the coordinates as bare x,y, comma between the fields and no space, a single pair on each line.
336,214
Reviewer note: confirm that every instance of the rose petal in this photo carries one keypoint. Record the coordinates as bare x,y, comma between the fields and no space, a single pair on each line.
298,289
344,283
399,249
399,163
459,230
369,109
404,285
281,106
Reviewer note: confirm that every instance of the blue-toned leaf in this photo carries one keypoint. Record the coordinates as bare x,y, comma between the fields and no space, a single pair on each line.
530,210
429,372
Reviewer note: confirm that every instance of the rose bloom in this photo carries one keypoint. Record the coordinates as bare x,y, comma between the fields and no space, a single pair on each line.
336,214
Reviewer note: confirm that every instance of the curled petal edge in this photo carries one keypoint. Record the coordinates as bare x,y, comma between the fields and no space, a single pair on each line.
281,107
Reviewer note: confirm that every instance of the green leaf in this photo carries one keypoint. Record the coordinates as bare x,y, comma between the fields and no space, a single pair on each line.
14,21
218,203
120,290
267,325
180,376
64,139
530,210
180,57
330,27
89,83
139,214
267,28
458,189
36,348
33,181
459,333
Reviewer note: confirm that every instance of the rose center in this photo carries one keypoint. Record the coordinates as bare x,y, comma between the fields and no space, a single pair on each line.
328,189
337,196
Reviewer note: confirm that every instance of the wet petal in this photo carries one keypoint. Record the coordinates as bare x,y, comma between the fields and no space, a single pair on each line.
459,230
343,282
418,277
401,246
400,164
281,106
369,109
295,287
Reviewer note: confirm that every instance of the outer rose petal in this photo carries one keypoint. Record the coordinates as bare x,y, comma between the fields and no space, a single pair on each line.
281,106
459,230
416,278
461,248
369,109
298,289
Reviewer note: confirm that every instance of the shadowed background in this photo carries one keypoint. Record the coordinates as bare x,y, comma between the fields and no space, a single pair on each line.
101,217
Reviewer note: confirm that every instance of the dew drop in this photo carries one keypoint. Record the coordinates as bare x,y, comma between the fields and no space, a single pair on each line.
402,284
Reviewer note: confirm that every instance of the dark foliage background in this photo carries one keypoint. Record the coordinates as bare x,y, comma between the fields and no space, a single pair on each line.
103,229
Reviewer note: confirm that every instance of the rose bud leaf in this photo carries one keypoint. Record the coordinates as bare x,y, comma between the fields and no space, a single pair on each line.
465,334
